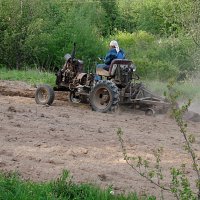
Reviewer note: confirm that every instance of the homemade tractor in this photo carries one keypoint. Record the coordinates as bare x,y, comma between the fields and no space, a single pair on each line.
117,86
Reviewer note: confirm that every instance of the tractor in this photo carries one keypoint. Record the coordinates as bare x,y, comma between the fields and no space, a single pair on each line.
117,86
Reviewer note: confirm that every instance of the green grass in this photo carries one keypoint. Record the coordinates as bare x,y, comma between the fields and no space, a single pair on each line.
14,188
32,77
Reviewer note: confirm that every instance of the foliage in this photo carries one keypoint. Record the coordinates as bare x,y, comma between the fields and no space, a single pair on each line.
159,35
112,19
160,17
161,58
33,37
13,187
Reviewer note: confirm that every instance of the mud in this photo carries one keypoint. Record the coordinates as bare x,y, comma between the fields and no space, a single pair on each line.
40,141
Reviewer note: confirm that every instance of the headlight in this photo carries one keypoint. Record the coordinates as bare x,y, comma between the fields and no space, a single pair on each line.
133,67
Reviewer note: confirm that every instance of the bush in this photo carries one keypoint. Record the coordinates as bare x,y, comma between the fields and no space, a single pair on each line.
39,34
160,58
33,37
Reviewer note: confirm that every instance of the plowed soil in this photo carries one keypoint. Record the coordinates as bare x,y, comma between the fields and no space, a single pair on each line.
40,141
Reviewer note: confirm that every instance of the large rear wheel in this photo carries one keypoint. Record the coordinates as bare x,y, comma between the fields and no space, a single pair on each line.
44,95
104,96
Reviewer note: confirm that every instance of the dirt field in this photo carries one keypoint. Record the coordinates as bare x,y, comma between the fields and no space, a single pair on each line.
40,141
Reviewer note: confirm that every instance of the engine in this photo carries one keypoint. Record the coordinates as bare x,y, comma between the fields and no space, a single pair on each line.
67,75
72,78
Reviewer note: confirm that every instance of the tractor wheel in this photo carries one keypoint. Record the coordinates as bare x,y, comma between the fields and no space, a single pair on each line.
44,95
74,98
104,96
150,112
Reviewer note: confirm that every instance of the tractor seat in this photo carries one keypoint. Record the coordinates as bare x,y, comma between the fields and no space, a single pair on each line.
113,66
102,72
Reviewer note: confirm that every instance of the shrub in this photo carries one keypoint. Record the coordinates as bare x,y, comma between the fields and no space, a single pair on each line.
160,58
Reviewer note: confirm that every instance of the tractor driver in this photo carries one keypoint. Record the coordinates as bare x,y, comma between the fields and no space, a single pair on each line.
114,53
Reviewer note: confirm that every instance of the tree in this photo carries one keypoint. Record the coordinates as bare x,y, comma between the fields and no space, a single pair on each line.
112,16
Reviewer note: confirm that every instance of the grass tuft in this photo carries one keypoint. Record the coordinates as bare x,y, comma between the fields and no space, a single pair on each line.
14,188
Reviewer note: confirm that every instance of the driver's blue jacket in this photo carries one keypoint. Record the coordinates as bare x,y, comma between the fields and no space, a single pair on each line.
112,54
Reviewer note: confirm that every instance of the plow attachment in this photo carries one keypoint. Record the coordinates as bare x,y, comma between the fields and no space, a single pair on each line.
150,102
